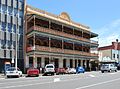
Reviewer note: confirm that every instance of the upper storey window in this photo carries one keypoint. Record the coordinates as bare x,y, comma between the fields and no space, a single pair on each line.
9,3
4,9
15,3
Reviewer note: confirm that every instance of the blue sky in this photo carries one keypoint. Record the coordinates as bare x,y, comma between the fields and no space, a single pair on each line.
103,16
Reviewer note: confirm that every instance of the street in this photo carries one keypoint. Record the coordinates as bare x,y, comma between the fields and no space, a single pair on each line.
88,80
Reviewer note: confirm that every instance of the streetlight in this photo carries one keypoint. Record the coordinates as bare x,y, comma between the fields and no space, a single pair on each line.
16,42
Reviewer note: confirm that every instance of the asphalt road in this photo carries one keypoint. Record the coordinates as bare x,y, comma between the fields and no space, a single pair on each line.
88,80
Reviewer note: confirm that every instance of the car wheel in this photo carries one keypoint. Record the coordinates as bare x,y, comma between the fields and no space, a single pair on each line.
8,76
115,70
52,74
37,75
109,70
102,71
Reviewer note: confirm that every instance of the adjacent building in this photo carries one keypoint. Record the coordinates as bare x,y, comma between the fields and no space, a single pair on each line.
58,40
110,53
11,30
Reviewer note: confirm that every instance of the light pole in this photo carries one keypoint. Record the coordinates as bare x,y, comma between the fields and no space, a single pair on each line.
16,44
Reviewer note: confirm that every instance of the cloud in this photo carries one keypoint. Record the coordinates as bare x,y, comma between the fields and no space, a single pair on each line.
109,33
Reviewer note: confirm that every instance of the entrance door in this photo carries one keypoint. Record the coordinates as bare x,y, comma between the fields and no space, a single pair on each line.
56,63
64,63
46,61
71,63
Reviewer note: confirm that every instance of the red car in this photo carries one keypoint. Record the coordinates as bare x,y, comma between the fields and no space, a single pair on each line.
33,72
60,71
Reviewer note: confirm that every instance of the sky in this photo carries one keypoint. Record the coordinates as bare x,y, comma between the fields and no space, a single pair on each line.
102,16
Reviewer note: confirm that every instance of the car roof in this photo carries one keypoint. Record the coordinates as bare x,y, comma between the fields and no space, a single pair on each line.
49,65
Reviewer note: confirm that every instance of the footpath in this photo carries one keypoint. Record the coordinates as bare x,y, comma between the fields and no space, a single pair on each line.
2,75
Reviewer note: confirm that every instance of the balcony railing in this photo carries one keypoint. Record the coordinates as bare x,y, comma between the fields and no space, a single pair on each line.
57,50
50,31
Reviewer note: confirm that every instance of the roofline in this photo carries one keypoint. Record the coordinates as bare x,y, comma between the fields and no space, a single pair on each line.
43,13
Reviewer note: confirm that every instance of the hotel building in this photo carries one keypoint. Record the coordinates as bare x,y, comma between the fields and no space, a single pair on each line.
11,27
58,40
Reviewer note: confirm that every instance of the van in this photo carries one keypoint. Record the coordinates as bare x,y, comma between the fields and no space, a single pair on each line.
108,68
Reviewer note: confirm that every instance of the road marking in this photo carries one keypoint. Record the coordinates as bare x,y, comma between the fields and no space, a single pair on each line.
91,75
25,85
56,79
83,87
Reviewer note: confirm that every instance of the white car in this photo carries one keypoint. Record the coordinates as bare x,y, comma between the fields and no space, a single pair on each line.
71,71
49,69
12,72
108,67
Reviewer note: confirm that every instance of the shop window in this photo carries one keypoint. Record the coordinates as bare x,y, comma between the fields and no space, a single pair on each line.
30,61
38,62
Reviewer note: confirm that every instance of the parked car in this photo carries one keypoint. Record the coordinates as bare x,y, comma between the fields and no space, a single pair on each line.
60,71
71,71
33,72
12,72
49,69
108,68
80,69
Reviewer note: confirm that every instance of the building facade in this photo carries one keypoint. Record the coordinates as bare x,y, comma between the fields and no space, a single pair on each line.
11,27
57,40
111,52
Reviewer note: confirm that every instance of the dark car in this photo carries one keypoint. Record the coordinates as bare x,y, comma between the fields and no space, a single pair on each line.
33,72
80,69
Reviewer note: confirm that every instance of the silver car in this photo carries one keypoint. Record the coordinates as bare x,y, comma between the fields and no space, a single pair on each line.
108,68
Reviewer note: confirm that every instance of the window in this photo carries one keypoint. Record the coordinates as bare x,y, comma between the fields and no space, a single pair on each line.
15,12
3,26
20,21
9,27
39,62
3,43
30,61
4,9
4,53
113,55
9,43
10,54
3,1
20,5
117,55
10,10
14,29
9,3
15,3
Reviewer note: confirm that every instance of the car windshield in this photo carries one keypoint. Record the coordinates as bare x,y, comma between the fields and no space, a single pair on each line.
11,69
105,65
49,67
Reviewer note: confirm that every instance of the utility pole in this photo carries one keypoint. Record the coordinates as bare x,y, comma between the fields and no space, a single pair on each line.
16,44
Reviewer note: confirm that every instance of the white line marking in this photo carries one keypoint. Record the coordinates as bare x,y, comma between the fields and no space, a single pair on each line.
56,79
24,85
92,75
83,87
